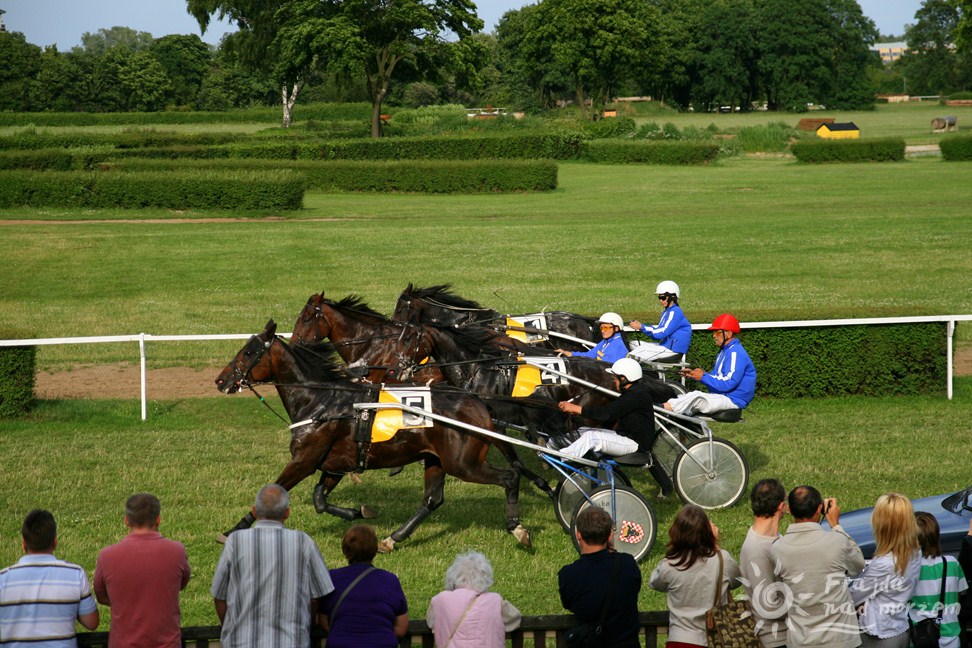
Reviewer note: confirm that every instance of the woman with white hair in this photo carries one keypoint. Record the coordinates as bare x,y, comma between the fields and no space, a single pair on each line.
466,614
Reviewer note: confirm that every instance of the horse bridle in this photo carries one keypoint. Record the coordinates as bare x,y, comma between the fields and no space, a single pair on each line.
240,377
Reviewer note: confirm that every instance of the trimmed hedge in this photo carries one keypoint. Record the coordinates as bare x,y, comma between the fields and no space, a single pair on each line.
173,190
871,360
427,176
564,146
17,367
956,149
622,151
869,150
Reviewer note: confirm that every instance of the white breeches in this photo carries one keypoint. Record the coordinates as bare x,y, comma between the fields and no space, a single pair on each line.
651,352
601,440
699,402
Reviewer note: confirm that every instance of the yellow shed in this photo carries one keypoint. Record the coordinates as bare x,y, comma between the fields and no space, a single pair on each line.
846,130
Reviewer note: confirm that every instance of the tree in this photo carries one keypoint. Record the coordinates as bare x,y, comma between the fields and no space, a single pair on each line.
596,42
851,58
144,83
529,75
186,60
963,30
727,55
103,40
21,63
931,64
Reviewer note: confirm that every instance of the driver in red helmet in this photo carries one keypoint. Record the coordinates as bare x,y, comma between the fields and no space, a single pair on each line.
732,381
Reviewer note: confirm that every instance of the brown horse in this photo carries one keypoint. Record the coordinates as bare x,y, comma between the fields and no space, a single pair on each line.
330,435
439,305
392,351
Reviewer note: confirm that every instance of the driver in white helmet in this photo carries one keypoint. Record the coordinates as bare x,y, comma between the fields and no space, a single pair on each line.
673,332
632,415
613,346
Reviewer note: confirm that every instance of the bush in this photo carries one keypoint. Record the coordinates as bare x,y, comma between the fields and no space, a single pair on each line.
960,96
427,176
765,138
956,149
40,160
535,146
869,150
635,152
871,360
611,127
173,190
17,366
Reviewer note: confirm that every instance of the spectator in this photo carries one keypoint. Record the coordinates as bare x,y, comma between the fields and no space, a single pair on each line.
756,564
367,608
814,564
965,615
613,345
927,599
268,579
732,381
673,332
140,579
886,585
586,583
467,614
633,413
689,575
40,596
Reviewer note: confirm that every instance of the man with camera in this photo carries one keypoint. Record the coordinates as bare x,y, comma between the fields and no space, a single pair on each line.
815,564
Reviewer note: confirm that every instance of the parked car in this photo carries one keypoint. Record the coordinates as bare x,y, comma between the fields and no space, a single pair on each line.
952,510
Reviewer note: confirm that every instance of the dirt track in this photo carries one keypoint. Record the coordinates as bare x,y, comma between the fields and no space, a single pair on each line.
122,381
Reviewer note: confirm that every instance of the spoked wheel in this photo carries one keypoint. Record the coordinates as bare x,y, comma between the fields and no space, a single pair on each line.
634,522
666,451
714,476
567,494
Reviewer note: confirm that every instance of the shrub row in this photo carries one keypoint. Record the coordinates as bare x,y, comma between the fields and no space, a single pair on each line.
956,149
867,150
321,111
619,151
16,376
428,176
871,360
175,190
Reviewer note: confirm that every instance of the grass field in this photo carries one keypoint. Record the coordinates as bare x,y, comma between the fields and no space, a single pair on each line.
764,238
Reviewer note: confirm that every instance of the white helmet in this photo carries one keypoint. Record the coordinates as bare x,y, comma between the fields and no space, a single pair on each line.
667,287
611,318
628,368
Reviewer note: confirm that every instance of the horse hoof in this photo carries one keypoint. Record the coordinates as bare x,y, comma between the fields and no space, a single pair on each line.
395,471
221,538
368,513
522,535
355,479
386,546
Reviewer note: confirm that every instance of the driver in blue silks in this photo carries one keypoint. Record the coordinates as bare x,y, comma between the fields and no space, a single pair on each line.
612,346
673,332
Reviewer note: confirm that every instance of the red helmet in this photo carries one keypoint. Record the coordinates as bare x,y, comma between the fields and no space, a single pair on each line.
725,322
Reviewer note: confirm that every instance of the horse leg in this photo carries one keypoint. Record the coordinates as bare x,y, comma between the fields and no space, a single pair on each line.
476,469
433,498
324,487
521,468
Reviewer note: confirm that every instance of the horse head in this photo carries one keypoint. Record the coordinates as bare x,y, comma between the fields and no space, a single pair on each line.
252,364
312,323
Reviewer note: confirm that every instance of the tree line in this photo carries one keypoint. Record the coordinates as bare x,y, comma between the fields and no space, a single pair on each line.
698,54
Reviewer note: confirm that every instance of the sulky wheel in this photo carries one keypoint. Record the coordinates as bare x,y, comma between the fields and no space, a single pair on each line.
634,520
714,476
567,494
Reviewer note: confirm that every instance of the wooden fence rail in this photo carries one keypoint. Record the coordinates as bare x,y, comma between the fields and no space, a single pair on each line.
534,632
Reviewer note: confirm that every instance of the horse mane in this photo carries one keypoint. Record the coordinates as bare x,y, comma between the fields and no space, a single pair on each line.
319,362
443,294
471,340
356,304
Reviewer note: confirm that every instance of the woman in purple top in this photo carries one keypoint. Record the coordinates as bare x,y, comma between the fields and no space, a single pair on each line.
373,613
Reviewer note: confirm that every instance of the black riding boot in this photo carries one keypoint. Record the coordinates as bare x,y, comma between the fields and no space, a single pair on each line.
660,476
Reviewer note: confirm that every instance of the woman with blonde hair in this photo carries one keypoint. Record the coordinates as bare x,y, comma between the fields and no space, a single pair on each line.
466,614
884,590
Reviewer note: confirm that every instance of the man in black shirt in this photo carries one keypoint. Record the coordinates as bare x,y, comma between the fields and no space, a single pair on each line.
585,584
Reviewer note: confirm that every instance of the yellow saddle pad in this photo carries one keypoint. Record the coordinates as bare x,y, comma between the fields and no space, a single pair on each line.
389,421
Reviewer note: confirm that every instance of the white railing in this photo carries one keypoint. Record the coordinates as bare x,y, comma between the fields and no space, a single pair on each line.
142,338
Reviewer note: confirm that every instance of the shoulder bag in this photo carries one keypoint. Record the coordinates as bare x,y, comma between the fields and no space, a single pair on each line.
731,625
591,635
330,618
926,632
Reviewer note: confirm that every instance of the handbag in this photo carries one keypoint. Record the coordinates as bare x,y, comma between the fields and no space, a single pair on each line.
591,635
731,625
925,633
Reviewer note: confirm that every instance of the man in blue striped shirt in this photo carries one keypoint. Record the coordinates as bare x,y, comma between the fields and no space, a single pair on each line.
41,596
268,579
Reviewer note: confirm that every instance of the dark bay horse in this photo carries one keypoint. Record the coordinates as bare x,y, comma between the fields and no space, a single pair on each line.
393,351
439,305
330,435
